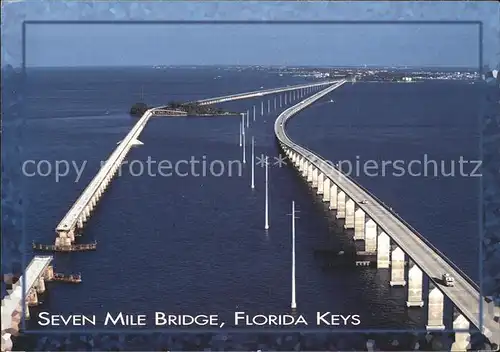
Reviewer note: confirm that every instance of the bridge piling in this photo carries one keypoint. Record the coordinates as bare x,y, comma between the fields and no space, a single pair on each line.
436,308
349,213
285,95
40,287
397,267
281,101
321,180
254,113
268,106
415,282
32,299
274,103
370,236
326,190
261,108
333,196
359,224
341,204
315,177
462,339
383,250
304,168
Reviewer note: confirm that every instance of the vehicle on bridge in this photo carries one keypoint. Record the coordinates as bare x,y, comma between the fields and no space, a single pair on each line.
448,280
364,201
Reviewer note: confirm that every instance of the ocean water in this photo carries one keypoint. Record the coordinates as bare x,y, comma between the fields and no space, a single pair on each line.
192,244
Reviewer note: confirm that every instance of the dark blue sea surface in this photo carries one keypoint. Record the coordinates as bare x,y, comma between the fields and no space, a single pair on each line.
197,244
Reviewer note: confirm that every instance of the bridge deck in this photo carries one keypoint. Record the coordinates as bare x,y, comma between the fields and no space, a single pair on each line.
465,294
259,93
71,217
10,302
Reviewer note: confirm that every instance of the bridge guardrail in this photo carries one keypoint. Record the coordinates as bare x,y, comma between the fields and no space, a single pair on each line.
404,222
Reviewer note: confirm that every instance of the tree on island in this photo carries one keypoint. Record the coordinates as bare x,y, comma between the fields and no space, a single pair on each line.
138,109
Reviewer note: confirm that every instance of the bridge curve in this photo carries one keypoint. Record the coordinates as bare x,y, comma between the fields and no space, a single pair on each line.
464,295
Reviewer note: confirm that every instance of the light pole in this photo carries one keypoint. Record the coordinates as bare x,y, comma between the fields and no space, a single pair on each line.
253,162
266,225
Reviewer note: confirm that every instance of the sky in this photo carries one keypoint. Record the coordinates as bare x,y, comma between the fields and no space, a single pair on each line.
421,45
251,44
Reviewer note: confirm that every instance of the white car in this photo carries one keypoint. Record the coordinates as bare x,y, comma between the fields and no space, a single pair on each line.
364,201
448,280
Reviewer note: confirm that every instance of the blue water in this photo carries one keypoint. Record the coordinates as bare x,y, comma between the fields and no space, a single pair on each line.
197,244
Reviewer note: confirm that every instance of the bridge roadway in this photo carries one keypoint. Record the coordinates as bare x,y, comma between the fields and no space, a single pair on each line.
14,300
82,207
259,93
464,295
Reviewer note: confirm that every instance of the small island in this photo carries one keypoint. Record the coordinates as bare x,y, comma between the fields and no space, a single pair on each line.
181,109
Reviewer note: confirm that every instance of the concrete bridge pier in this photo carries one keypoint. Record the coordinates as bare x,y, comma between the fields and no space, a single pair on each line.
349,213
359,224
281,100
261,108
80,223
415,282
333,196
462,339
340,204
383,250
310,168
326,190
275,103
26,311
315,177
48,274
321,183
302,166
370,236
268,106
40,285
397,267
436,308
32,298
285,98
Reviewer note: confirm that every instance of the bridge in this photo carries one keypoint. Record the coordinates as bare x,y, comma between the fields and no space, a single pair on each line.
79,213
38,271
300,88
392,239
